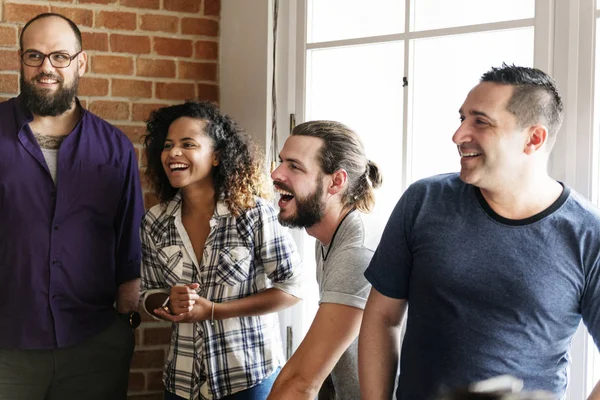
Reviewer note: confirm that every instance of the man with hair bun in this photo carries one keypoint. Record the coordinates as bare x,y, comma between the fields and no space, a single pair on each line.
326,182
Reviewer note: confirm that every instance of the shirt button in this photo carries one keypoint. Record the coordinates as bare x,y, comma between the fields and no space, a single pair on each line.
56,227
52,194
55,261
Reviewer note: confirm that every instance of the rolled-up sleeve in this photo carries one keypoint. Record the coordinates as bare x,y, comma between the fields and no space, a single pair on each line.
275,249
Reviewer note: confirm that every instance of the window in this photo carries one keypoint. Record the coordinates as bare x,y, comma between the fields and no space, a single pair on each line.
397,71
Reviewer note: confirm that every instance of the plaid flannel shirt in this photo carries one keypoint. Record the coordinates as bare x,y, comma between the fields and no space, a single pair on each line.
242,256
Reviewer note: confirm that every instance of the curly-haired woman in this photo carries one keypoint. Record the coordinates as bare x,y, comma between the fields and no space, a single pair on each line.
216,262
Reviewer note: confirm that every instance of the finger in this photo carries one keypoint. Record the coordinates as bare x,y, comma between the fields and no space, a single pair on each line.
179,290
193,286
167,316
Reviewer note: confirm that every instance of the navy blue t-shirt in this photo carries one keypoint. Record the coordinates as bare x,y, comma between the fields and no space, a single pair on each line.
487,295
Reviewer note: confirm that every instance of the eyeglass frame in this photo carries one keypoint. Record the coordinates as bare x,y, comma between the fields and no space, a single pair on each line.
71,57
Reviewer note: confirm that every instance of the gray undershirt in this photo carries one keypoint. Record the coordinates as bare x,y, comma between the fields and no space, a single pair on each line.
50,146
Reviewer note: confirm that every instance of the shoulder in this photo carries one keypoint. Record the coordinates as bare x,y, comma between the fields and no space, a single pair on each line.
158,218
438,185
262,211
105,131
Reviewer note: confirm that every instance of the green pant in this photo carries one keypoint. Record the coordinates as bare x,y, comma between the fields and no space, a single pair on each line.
97,369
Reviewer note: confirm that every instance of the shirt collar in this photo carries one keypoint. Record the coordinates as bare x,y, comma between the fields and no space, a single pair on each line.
24,116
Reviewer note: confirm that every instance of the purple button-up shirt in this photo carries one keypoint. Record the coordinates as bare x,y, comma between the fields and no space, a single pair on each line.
64,248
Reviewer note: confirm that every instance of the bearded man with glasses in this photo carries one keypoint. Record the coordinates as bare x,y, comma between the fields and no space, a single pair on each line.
70,249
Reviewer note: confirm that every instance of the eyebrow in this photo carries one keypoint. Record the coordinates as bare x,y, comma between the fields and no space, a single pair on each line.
181,140
478,113
294,160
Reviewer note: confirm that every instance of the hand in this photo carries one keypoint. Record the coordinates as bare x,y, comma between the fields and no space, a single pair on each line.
183,298
200,311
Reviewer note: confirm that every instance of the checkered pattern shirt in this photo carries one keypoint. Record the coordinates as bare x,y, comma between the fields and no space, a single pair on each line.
242,256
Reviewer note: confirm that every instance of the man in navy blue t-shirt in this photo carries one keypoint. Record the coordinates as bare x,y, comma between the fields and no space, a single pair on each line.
497,265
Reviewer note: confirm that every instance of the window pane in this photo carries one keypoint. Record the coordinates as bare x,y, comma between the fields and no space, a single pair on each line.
445,69
361,86
436,14
348,19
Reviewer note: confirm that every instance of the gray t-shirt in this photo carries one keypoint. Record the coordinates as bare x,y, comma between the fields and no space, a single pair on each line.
487,295
341,281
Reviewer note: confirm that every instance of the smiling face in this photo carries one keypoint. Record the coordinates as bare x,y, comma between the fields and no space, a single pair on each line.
300,182
188,157
489,142
50,91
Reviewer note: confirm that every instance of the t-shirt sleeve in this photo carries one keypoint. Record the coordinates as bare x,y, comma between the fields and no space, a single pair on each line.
344,282
390,267
590,305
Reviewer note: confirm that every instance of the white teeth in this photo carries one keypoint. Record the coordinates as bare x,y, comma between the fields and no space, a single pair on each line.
48,81
469,154
177,165
283,192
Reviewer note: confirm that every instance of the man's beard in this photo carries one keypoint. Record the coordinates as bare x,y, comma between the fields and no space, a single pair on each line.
44,104
309,209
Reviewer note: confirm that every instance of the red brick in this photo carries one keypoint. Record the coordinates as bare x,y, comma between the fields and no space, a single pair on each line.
95,41
22,12
129,44
157,336
114,65
190,6
83,103
155,68
175,91
161,23
116,20
135,133
8,36
137,381
112,110
97,1
199,26
2,99
154,379
9,60
208,92
89,86
141,111
207,50
9,83
80,16
131,88
198,71
173,47
154,4
212,7
150,200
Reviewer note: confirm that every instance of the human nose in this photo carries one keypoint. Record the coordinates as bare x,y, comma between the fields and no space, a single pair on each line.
174,151
461,135
276,173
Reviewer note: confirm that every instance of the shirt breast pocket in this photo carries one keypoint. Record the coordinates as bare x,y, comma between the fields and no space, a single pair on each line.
100,189
234,266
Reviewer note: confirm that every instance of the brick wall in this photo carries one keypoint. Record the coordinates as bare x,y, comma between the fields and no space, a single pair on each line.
142,54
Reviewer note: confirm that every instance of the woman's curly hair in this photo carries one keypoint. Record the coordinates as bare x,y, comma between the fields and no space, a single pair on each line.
237,178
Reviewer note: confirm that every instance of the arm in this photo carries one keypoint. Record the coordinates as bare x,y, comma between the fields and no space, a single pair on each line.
201,309
335,327
595,395
128,296
127,230
378,345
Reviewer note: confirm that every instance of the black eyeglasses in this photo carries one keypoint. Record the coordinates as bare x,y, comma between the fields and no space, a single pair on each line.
58,59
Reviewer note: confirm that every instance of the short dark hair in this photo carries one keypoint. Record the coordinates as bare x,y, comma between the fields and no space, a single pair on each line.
237,178
343,149
74,28
535,98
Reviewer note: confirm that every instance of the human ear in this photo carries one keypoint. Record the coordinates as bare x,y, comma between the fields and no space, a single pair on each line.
537,136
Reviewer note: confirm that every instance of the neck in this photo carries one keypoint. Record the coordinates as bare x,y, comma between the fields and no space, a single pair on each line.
323,230
58,125
198,200
523,198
